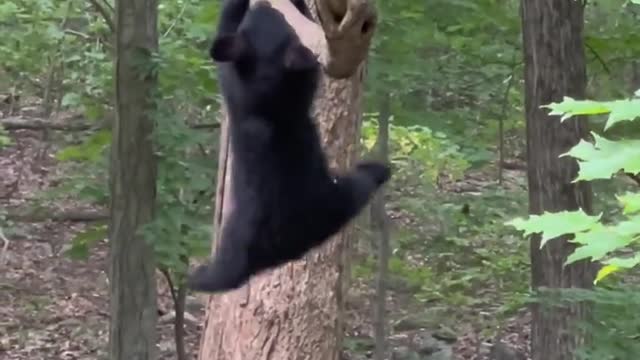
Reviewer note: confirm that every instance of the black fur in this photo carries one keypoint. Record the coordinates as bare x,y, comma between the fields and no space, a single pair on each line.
286,200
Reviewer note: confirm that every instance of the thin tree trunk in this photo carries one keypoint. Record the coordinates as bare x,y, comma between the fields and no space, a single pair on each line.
554,67
380,222
635,76
178,324
132,184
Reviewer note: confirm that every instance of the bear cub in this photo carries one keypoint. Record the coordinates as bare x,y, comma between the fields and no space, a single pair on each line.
286,200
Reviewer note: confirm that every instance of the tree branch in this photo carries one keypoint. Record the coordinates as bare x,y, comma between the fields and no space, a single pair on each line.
108,5
48,214
179,296
5,247
172,288
598,57
23,123
105,14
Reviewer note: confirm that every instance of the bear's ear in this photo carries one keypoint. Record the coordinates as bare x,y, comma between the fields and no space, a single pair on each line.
229,47
299,57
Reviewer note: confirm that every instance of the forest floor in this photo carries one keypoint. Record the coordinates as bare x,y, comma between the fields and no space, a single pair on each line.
53,307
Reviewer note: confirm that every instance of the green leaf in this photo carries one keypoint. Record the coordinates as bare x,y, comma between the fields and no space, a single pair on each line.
604,158
597,243
82,242
4,139
604,272
623,110
630,202
624,263
616,264
71,99
629,227
553,225
92,149
618,110
570,107
8,10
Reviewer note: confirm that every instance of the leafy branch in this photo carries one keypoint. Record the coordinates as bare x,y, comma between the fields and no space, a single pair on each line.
107,14
602,159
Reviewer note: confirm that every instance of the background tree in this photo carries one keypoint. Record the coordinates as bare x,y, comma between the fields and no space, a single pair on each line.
380,224
458,277
133,184
554,67
296,310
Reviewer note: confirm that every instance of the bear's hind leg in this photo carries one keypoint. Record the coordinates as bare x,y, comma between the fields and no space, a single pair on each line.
229,268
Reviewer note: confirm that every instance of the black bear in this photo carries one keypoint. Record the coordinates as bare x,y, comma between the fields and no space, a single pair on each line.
286,199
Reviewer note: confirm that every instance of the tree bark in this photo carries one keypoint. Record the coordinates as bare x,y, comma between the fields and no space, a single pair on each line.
294,311
132,185
554,67
380,222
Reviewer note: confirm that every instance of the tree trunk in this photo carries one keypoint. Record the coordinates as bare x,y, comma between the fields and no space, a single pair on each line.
380,222
294,311
132,186
635,76
554,67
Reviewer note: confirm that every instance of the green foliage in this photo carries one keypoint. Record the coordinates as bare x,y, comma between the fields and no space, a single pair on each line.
630,203
449,84
416,150
187,157
4,139
616,331
614,319
605,158
619,110
57,47
594,239
91,150
186,172
81,244
445,258
447,73
65,49
610,238
555,224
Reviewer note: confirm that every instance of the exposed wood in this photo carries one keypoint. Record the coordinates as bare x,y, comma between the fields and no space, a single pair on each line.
31,123
513,165
48,214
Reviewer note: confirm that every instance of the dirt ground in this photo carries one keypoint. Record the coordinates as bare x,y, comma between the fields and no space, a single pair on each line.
53,307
